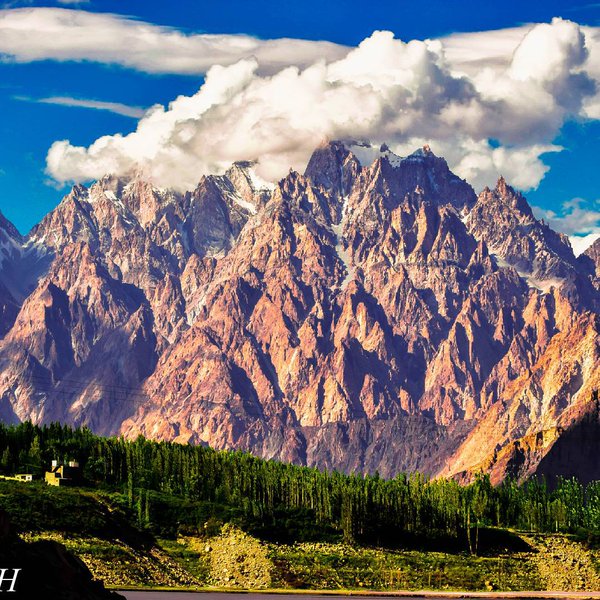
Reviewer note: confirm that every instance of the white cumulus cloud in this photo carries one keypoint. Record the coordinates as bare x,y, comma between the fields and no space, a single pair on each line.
580,243
577,216
496,115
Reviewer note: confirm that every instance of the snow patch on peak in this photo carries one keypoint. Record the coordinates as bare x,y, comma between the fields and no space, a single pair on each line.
536,283
8,247
241,202
393,159
36,244
343,253
229,191
118,203
543,285
367,154
257,183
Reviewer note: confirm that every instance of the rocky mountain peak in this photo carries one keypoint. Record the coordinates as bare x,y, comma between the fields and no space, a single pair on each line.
344,167
371,314
425,152
503,218
11,243
507,194
502,187
506,199
247,187
247,170
594,250
8,232
112,183
593,254
334,167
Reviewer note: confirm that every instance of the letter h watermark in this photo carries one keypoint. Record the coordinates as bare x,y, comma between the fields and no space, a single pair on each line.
6,579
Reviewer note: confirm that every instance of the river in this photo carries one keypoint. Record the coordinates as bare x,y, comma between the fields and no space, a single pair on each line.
227,596
308,596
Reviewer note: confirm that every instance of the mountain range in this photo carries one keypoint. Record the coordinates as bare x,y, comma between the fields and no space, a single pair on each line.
372,314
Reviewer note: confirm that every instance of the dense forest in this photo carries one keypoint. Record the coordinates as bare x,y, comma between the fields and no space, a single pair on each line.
168,485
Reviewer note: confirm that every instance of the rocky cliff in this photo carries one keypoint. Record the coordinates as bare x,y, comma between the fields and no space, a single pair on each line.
371,314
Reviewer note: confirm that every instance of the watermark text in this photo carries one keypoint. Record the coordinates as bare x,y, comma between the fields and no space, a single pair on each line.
8,579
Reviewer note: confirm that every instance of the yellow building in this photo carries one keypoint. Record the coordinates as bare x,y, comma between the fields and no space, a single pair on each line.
61,475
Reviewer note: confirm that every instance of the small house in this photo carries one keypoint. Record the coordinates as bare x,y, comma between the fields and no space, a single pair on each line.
63,475
27,477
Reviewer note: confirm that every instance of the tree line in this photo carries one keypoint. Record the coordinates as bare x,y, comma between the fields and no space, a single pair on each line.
362,508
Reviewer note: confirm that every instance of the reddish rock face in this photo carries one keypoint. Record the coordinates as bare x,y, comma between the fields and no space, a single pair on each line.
360,317
10,245
591,260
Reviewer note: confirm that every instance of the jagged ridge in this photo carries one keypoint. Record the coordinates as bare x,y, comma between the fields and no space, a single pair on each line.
371,314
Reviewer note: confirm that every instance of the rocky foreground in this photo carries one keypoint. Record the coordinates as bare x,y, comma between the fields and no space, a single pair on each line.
371,314
47,569
235,560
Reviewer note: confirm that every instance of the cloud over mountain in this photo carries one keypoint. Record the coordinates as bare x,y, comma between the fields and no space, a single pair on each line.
491,102
499,117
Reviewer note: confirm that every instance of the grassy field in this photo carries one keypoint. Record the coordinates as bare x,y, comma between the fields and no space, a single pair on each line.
329,566
99,528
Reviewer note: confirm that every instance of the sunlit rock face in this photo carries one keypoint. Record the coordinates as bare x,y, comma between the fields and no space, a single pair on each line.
373,314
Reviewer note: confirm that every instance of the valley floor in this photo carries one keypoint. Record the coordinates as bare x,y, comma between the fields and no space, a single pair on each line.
172,543
554,562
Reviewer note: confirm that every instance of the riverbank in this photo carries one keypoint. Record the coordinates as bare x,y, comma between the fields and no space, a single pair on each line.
316,595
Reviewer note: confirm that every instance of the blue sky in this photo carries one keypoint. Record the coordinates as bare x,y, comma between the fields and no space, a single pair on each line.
28,127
